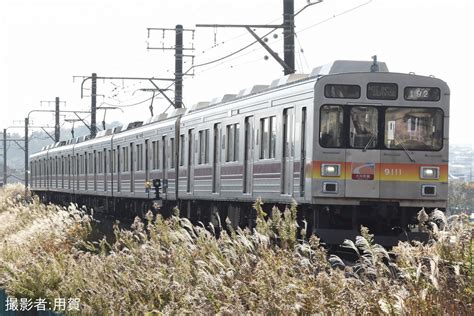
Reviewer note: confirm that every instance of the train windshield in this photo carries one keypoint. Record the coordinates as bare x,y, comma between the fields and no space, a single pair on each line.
331,124
413,128
363,127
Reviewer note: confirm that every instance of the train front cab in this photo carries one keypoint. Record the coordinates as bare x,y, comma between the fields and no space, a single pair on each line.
381,154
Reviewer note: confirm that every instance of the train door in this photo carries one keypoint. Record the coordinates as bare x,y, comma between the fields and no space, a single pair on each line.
164,159
62,172
216,161
190,173
302,152
248,130
287,152
104,168
86,171
78,162
95,170
69,172
132,168
147,160
362,154
117,167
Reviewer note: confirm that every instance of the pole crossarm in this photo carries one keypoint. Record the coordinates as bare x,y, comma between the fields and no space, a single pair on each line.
169,48
63,111
166,29
118,78
263,26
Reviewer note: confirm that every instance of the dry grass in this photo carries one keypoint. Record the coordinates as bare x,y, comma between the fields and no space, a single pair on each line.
170,266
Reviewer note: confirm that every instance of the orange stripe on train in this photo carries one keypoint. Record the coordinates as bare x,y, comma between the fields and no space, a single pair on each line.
376,171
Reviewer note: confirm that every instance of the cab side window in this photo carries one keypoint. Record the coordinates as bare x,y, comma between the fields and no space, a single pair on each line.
331,126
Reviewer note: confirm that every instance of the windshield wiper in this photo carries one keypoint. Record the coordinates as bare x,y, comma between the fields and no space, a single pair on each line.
368,143
404,148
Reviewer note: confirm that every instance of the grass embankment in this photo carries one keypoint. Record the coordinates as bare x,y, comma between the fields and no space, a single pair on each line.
171,266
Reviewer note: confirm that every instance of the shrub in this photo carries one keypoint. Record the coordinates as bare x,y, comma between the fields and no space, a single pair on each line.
171,266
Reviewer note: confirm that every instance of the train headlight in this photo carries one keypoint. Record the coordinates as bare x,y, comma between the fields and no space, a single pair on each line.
330,170
429,172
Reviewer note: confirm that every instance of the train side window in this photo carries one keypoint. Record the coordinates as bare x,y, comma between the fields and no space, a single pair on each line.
272,135
104,161
139,157
268,137
81,171
113,165
331,126
204,147
163,152
155,147
125,158
91,164
95,162
172,151
181,149
232,152
99,166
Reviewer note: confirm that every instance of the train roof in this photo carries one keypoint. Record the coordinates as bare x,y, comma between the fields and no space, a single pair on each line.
335,67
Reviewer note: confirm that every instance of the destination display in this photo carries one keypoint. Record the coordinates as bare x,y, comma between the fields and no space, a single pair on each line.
382,91
422,94
342,91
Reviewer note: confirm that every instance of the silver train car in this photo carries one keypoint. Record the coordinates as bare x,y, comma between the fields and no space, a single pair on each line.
351,146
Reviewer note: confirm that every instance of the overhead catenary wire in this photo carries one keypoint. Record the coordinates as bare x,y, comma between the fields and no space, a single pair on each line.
225,59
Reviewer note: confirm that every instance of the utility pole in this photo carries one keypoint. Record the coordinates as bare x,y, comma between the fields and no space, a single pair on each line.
289,35
56,126
178,54
94,105
57,129
178,73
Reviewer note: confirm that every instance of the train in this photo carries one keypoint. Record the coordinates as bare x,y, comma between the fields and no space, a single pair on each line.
351,143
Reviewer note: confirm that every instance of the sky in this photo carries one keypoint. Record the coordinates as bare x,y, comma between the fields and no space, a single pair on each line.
45,43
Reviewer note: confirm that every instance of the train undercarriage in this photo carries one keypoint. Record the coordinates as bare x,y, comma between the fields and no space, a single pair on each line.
389,222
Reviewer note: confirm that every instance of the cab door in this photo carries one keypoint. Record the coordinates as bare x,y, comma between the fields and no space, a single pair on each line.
362,153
